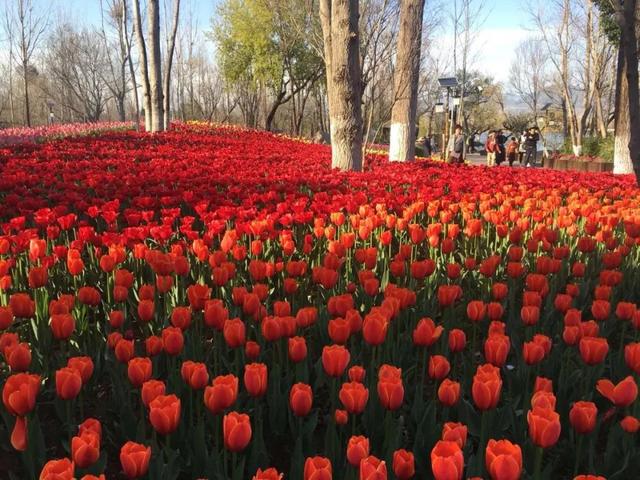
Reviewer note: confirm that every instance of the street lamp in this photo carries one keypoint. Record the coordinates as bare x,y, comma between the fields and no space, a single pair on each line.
448,83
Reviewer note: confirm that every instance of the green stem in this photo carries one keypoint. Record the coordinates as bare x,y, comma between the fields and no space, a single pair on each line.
537,472
576,467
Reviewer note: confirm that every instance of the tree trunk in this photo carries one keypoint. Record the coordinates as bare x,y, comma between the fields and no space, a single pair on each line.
132,72
155,66
27,108
402,145
629,46
142,50
169,61
339,19
621,158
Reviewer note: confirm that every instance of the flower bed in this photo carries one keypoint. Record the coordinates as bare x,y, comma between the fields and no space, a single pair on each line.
217,303
10,136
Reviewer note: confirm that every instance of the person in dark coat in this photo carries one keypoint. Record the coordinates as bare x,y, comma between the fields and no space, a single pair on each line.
531,146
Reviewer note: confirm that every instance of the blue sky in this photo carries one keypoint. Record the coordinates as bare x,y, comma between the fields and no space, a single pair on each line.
505,25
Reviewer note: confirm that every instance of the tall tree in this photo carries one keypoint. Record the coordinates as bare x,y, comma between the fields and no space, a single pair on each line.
155,66
406,76
30,24
171,43
527,74
142,60
627,17
341,40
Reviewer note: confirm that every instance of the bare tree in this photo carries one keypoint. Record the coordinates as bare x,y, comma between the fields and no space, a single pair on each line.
29,23
339,19
154,66
144,73
403,116
76,68
171,42
527,74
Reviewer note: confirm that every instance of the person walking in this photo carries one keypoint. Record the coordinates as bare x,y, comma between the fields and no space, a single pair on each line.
531,146
521,150
490,147
456,147
512,150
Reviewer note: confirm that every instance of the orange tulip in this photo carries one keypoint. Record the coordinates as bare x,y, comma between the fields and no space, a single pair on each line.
222,393
85,449
447,461
268,474
300,399
426,333
439,367
19,393
84,366
621,395
335,359
194,374
455,432
297,349
372,468
357,449
353,396
317,468
404,466
496,349
139,370
68,383
164,413
236,429
151,390
255,379
57,470
134,458
390,393
486,387
544,427
583,416
449,392
503,460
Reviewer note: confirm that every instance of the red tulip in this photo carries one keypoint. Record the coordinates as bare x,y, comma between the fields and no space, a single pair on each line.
353,396
449,392
496,349
85,449
18,357
630,424
317,468
222,393
297,349
486,387
139,370
372,468
403,464
236,429
268,474
632,357
621,395
455,432
357,449
68,383
457,340
335,359
503,460
62,326
194,374
19,393
301,399
84,366
426,333
255,379
447,461
151,389
438,367
374,328
134,458
57,470
583,416
593,350
544,427
164,413
476,310
390,393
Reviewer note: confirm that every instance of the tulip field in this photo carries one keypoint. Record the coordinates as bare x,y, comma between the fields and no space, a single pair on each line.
217,303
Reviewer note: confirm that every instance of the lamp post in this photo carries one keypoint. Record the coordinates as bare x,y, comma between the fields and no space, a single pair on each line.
449,84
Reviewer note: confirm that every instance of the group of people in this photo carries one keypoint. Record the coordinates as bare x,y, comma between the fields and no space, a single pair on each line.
499,147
